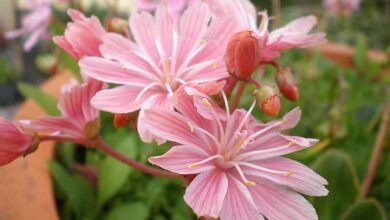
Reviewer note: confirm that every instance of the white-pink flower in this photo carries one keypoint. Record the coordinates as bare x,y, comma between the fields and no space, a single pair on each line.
79,122
15,141
34,24
166,54
341,6
82,37
293,35
238,163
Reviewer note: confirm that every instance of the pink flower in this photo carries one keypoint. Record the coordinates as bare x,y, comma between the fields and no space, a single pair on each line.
35,23
176,6
341,6
293,35
238,163
15,141
82,37
165,55
79,121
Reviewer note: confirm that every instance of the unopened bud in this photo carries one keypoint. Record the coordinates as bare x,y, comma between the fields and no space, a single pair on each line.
287,85
243,54
122,120
92,129
118,25
267,99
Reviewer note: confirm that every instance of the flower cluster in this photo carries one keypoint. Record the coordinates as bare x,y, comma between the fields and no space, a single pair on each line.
172,72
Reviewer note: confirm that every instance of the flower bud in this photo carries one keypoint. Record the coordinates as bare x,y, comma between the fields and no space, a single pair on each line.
118,25
287,84
267,99
122,120
243,54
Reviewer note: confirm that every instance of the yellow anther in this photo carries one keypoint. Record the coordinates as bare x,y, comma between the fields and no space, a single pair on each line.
289,173
191,127
206,102
192,165
202,41
215,64
293,142
250,183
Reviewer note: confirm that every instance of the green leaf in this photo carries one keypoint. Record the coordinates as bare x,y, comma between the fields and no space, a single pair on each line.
361,52
366,209
113,173
337,167
47,102
70,63
79,195
133,211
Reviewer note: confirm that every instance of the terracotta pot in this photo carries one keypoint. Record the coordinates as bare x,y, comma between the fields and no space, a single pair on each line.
343,55
26,186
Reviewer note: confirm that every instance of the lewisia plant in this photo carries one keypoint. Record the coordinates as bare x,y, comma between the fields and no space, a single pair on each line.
240,173
175,74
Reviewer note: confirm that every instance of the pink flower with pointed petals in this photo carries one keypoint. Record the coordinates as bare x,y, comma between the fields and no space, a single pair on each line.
238,163
15,141
82,37
165,55
293,35
35,23
79,122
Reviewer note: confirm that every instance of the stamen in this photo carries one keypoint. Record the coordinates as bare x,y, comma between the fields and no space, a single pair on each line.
264,153
284,173
181,81
144,90
215,64
202,41
246,115
289,173
207,134
191,127
192,165
246,181
206,102
262,131
212,110
169,89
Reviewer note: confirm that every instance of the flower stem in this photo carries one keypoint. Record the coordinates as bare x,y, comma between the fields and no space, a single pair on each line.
101,145
377,152
237,97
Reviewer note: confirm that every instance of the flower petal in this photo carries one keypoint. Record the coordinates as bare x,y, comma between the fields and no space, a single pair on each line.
238,203
121,99
179,158
172,126
206,193
112,72
289,173
276,202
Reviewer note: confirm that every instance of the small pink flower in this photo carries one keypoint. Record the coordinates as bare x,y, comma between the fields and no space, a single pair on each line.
238,163
79,121
35,23
176,6
344,7
166,54
82,37
15,141
293,35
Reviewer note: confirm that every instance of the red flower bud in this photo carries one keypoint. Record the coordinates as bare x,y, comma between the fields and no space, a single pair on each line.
122,120
243,54
267,99
287,84
118,25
